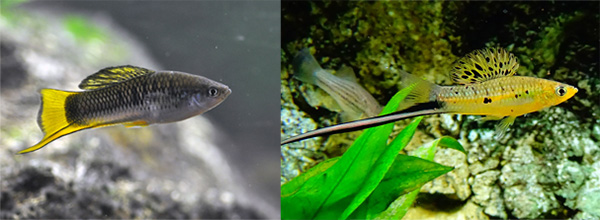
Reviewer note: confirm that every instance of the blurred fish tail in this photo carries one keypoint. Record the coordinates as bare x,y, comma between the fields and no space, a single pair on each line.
422,92
305,65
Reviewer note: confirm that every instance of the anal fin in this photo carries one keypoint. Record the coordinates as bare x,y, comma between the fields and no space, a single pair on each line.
133,124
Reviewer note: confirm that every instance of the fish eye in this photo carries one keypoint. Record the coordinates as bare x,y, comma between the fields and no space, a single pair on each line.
213,92
561,91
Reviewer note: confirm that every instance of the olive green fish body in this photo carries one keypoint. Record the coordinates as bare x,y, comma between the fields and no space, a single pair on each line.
157,98
126,95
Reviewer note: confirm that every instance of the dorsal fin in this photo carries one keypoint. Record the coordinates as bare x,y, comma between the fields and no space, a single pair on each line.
346,72
482,65
111,75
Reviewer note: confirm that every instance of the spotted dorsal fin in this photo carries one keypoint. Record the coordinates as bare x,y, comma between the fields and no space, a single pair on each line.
482,65
111,75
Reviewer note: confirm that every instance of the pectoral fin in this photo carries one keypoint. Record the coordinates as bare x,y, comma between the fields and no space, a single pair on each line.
503,126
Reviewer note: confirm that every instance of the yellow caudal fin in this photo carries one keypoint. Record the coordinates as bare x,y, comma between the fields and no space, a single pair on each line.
52,118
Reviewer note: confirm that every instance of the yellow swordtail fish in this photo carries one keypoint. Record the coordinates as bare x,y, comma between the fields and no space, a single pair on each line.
128,95
486,86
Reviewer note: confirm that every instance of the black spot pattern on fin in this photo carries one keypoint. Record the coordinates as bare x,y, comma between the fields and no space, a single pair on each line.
478,67
477,75
483,65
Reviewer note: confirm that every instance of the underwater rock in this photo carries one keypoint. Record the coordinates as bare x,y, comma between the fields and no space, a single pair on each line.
35,192
571,177
298,156
468,211
487,193
11,68
523,180
452,184
153,172
588,198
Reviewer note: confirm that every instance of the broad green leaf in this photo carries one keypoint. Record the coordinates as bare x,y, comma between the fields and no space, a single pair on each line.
449,142
403,203
382,166
427,151
327,194
293,185
406,174
401,206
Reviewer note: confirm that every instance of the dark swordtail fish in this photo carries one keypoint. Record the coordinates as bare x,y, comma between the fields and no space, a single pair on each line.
128,95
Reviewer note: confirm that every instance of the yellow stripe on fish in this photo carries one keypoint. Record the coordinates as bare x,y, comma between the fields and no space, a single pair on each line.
127,95
488,87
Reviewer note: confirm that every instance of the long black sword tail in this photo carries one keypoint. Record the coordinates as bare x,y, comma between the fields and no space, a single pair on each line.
429,108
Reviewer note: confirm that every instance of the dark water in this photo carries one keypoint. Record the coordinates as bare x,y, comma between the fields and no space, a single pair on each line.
234,42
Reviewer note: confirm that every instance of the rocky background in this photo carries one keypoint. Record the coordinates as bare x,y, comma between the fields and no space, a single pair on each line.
179,170
549,164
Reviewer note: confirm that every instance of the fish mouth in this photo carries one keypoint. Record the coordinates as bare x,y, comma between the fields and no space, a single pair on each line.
227,91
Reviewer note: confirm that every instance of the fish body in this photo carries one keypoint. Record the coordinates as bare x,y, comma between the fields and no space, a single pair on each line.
127,95
501,97
352,98
487,87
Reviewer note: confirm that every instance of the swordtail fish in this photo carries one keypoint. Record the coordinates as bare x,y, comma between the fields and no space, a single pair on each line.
127,95
486,85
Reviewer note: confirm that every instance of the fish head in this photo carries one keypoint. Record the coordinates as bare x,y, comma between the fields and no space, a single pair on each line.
207,94
186,96
559,92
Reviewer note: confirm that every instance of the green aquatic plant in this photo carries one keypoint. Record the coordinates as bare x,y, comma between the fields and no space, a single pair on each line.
367,178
